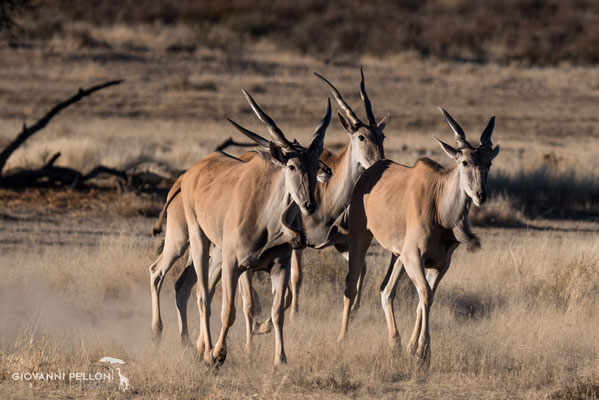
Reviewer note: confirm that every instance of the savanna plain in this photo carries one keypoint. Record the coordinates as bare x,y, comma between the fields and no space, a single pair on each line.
518,319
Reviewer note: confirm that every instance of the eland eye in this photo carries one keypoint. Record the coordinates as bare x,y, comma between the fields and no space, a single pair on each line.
465,163
291,168
362,138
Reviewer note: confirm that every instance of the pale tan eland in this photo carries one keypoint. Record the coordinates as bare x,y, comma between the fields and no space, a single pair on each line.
326,227
420,214
184,284
251,211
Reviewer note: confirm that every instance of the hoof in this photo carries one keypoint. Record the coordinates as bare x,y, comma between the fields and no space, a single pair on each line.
411,349
395,344
218,360
424,359
185,342
263,328
200,350
280,361
156,334
424,363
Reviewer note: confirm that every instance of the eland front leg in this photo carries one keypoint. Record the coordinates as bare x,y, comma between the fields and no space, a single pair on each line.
200,251
279,275
247,296
388,290
295,281
419,344
230,277
359,244
342,249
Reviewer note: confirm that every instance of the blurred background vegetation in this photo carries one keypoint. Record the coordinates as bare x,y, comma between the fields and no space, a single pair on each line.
537,32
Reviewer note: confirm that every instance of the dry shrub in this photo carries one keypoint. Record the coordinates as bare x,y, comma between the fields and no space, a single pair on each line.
573,283
548,191
499,211
582,388
94,201
540,32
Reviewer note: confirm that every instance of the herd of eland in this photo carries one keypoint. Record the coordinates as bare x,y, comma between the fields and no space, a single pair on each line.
260,210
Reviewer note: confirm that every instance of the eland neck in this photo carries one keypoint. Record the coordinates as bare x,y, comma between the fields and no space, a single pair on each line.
346,171
453,202
279,198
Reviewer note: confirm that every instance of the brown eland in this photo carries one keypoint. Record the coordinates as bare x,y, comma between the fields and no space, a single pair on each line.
420,214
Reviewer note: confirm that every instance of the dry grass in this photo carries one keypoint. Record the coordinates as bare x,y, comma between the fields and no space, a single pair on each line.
514,320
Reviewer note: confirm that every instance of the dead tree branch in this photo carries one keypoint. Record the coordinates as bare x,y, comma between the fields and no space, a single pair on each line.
26,132
231,142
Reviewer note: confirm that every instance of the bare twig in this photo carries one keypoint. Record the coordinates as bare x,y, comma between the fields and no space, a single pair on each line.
26,132
52,160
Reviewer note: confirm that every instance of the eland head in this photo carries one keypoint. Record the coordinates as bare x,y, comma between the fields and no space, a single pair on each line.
473,163
366,138
301,166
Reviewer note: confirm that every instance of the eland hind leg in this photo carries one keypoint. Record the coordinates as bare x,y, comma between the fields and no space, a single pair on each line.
175,243
183,287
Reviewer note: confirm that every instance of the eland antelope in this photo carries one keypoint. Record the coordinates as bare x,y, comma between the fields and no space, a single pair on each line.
326,227
420,214
249,210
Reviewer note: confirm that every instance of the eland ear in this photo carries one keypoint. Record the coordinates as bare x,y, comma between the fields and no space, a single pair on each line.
451,152
277,153
323,176
485,138
348,127
324,173
495,150
383,123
